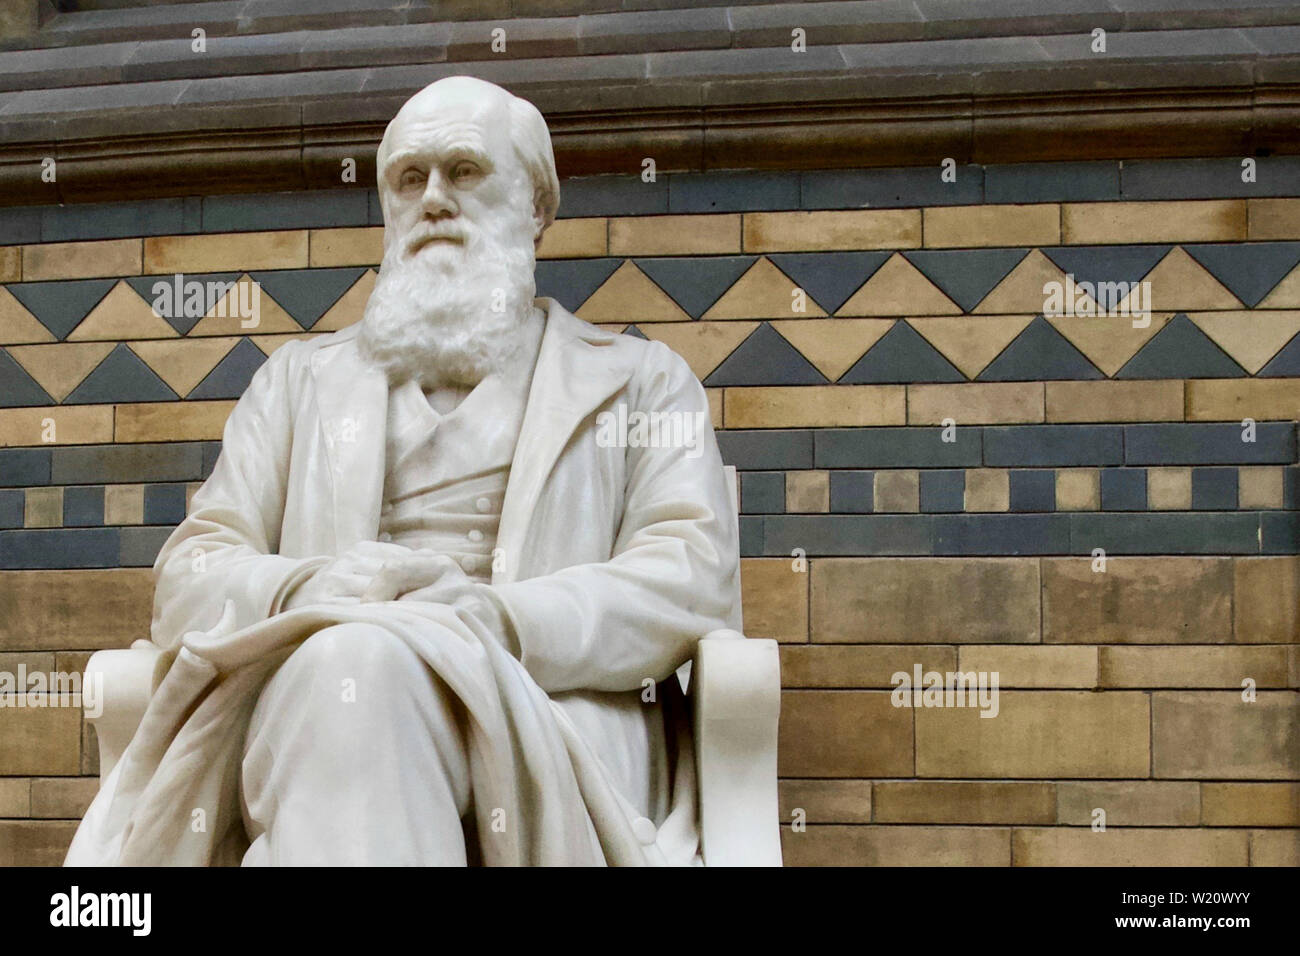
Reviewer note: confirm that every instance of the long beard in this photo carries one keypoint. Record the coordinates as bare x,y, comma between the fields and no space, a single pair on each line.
449,319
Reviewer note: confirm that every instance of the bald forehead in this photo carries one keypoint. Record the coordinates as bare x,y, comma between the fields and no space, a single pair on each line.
456,109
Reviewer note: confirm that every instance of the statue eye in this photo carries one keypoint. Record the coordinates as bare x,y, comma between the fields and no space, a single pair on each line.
464,170
410,178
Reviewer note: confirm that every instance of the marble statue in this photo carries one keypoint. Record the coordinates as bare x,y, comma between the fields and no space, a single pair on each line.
427,610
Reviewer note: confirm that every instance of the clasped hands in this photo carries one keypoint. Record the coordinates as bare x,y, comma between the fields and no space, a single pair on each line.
375,571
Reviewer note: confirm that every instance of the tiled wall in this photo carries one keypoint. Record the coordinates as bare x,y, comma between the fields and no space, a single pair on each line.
835,342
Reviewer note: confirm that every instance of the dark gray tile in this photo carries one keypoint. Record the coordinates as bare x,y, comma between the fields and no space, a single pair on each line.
313,209
13,504
1214,489
1182,533
965,275
1291,488
1285,364
732,191
852,492
20,467
1180,350
83,506
829,277
307,294
211,451
1096,265
995,534
890,188
903,535
60,306
1051,182
902,447
762,492
613,196
1033,490
694,282
164,504
140,546
765,358
17,388
751,536
1279,532
1196,443
1123,489
1040,353
58,548
943,490
21,224
1185,179
571,282
1046,446
759,449
1250,270
121,377
152,217
126,464
901,356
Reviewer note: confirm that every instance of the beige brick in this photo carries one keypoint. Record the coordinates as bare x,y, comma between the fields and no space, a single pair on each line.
1259,486
41,740
1037,734
10,661
1266,600
123,504
171,421
89,750
1216,734
43,508
71,662
909,801
1233,399
896,491
16,796
1129,803
1274,218
896,846
841,229
987,490
226,252
674,235
81,260
1062,665
826,801
1110,401
35,842
58,610
1036,225
1193,666
1078,489
976,403
807,492
815,406
82,425
1275,848
859,665
575,239
1250,804
714,396
925,600
11,263
65,798
842,733
1098,223
346,247
1169,489
1117,846
1138,600
775,599
1293,667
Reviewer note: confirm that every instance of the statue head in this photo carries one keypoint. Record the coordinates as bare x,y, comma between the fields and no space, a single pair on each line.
467,183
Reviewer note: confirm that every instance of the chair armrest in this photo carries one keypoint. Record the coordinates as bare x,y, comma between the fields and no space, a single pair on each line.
736,688
115,692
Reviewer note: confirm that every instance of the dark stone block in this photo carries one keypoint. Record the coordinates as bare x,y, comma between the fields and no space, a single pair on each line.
1196,443
1279,532
13,504
126,464
765,358
1123,489
891,188
1033,490
1045,446
853,492
612,196
732,191
900,447
762,449
762,492
1214,489
164,504
751,537
943,490
1176,533
901,535
1052,182
21,467
59,548
83,506
315,209
140,546
995,534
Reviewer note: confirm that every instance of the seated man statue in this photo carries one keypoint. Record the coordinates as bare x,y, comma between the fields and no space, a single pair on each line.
429,605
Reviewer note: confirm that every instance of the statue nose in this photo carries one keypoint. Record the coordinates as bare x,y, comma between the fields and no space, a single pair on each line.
437,201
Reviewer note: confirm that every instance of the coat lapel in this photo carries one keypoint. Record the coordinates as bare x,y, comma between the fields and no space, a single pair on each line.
576,372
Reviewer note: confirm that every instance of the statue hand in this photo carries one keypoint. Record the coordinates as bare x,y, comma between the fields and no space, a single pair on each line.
414,571
345,579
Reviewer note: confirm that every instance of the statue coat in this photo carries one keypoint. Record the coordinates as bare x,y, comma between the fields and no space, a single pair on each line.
612,563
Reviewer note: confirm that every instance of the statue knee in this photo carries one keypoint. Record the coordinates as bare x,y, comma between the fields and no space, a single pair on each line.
353,649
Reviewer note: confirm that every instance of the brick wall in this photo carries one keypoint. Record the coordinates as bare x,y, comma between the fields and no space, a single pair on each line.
835,342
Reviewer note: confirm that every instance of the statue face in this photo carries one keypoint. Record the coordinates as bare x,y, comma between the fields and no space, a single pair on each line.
453,176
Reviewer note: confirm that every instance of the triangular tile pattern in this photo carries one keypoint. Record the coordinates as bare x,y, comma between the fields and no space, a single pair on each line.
350,307
227,317
60,368
1250,270
121,316
966,275
1039,353
695,283
121,377
897,289
232,374
901,357
17,325
629,295
1109,340
1251,338
17,388
182,310
269,343
1286,363
1098,264
184,363
307,294
636,333
571,282
1180,350
970,342
832,345
1286,294
1022,290
763,292
830,277
1177,284
60,306
702,344
765,358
